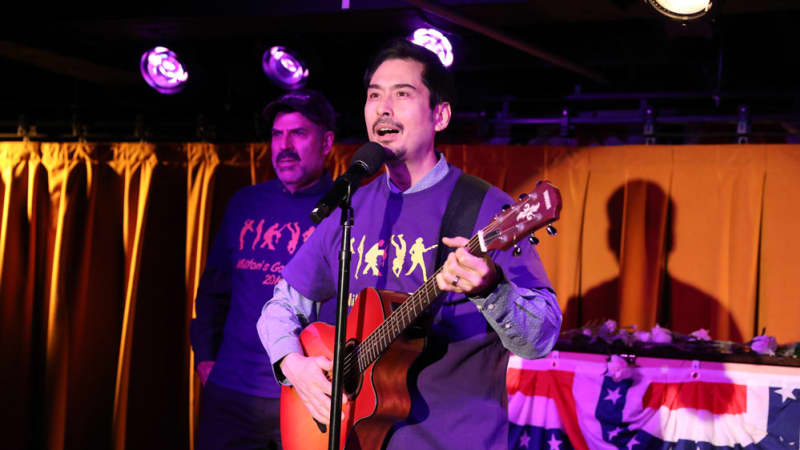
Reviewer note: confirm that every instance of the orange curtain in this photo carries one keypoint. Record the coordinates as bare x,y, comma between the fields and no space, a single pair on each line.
102,246
685,236
24,240
202,164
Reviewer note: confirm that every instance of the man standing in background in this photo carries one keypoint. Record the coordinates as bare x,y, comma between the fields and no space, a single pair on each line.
263,227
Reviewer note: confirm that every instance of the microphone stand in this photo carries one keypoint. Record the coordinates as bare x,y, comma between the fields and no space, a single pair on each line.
341,322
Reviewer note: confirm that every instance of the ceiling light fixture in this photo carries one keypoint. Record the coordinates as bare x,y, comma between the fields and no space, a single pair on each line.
681,9
162,70
284,68
435,41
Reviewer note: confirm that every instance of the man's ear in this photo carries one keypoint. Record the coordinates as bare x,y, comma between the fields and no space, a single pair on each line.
441,116
327,142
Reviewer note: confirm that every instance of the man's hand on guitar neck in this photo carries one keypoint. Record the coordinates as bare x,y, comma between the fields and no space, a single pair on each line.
309,377
464,272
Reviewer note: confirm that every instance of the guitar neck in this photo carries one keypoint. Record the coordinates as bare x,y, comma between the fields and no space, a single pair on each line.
533,211
382,337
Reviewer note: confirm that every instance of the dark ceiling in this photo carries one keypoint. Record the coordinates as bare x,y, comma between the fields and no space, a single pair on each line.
605,61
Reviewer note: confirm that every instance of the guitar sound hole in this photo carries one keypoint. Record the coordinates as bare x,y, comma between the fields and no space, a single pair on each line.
351,377
420,327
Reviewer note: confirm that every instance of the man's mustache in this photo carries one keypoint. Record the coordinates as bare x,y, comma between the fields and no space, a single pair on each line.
287,154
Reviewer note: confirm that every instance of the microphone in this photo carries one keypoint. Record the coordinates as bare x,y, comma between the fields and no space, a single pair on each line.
366,161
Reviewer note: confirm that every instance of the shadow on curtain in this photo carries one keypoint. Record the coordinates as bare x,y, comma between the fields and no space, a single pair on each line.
640,234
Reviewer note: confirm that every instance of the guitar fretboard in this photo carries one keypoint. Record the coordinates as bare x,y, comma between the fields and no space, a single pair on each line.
382,337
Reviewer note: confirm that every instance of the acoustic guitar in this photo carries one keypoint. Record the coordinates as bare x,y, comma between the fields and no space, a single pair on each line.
381,344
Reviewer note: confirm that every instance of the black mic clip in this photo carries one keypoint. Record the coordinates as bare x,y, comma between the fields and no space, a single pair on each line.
365,163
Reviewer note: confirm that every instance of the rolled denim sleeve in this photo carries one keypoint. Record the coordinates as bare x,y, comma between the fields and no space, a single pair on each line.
527,321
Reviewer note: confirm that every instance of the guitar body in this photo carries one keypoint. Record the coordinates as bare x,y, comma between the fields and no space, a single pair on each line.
377,398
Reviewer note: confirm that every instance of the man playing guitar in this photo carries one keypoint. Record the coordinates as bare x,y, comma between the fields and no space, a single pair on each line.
492,304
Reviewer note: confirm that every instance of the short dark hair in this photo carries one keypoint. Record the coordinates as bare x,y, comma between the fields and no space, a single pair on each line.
435,76
310,103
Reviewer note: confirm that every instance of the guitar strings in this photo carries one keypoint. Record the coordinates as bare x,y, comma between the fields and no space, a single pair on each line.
371,348
414,305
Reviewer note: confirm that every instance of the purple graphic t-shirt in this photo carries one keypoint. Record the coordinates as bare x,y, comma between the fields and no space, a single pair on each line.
459,396
263,227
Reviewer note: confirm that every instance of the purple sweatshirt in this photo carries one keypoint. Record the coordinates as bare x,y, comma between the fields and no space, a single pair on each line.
460,397
263,227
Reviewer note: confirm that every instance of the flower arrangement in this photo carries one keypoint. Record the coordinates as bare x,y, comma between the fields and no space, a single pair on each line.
609,337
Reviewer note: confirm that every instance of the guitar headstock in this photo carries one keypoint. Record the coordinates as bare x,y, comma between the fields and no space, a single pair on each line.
535,210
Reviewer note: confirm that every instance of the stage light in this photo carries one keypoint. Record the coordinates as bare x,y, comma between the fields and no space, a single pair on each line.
162,70
436,42
284,68
681,9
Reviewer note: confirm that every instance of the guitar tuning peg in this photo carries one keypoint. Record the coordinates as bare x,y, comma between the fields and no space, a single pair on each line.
523,196
533,239
551,230
506,207
517,251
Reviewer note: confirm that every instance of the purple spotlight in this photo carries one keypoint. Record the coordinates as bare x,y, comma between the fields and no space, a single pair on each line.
162,71
436,42
284,68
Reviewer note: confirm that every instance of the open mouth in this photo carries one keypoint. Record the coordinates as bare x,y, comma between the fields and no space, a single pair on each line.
385,131
385,127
